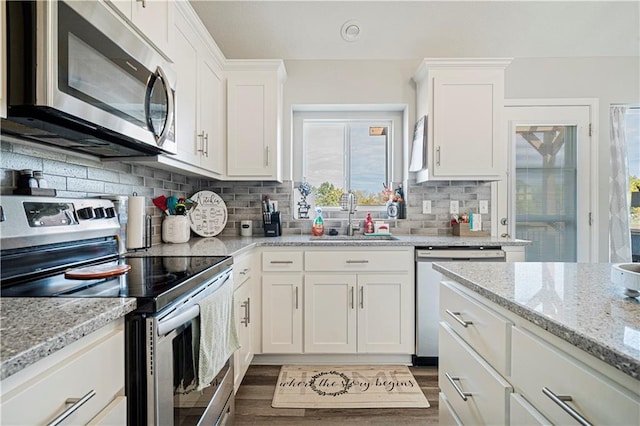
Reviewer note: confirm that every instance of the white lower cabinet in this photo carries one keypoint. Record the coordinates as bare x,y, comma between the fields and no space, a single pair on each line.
92,366
350,302
282,313
541,371
244,304
475,391
498,368
521,413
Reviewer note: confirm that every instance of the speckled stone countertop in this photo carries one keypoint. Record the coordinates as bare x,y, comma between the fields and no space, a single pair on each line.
33,328
574,301
234,245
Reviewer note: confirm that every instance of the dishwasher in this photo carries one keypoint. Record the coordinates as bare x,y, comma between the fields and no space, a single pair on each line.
427,292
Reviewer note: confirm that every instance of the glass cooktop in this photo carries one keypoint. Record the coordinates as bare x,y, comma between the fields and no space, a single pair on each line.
155,281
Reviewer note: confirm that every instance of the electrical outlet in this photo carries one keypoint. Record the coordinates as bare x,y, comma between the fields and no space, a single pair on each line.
484,207
454,207
426,206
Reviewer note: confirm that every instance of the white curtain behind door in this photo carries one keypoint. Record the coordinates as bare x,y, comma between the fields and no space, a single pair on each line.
619,231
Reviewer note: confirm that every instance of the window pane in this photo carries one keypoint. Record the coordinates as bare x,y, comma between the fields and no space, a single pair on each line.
324,155
368,164
546,179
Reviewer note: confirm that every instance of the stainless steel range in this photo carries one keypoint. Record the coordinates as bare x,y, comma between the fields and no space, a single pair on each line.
59,247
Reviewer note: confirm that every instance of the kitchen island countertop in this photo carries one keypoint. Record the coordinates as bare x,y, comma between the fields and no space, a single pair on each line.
574,301
33,328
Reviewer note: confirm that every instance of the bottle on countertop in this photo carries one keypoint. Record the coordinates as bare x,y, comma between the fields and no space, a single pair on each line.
369,228
318,224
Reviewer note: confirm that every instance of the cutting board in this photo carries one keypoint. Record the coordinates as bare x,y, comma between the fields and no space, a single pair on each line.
96,271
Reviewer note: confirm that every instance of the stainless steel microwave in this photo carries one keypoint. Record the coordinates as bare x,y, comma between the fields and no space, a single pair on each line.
79,78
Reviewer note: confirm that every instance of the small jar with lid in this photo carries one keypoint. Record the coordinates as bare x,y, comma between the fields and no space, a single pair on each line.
26,179
39,177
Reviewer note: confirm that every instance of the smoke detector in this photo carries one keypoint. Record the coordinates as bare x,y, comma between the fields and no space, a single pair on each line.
350,31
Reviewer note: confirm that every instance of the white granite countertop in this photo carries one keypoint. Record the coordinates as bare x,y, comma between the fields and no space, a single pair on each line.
574,301
215,246
33,328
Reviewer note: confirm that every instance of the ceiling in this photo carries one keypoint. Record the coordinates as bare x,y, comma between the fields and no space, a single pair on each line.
396,30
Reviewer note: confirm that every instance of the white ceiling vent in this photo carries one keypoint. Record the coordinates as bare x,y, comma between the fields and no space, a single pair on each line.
350,31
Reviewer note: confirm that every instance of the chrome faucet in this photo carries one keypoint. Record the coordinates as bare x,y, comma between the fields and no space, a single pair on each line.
349,203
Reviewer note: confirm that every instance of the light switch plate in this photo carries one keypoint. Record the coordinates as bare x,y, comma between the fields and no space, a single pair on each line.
484,207
426,206
454,207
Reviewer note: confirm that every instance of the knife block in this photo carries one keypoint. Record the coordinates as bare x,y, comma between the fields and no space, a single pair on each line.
271,224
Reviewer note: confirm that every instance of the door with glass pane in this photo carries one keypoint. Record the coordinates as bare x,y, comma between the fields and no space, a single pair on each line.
549,181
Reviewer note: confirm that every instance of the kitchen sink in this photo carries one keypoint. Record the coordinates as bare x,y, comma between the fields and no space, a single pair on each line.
627,275
353,238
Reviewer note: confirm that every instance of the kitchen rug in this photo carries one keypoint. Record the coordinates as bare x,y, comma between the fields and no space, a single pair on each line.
356,386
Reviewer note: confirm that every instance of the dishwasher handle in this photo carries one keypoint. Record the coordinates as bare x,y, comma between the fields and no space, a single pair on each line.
487,254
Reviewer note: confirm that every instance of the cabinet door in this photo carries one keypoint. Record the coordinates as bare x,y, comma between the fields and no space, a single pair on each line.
211,98
3,62
466,124
186,62
252,122
242,299
282,302
154,18
386,314
330,313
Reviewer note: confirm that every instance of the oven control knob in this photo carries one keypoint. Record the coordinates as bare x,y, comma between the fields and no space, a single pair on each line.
111,212
100,212
86,213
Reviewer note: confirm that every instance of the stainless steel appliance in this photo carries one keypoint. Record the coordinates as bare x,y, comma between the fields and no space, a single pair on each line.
428,292
43,238
78,77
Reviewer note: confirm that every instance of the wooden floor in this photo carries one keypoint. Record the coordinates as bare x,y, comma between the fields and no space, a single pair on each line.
253,404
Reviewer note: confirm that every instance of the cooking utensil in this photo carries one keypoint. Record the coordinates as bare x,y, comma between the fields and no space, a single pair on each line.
161,203
172,202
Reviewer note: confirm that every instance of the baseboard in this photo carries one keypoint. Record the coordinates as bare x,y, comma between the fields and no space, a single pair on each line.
280,359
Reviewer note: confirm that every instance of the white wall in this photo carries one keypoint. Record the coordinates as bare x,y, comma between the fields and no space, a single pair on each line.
609,79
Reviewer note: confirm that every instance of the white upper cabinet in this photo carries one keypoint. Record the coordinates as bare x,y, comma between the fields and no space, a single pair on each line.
254,119
153,18
3,63
463,101
199,102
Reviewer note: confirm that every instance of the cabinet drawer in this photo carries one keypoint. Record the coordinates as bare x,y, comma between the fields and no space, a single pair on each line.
486,392
98,367
486,331
521,413
446,415
282,261
537,365
242,270
357,261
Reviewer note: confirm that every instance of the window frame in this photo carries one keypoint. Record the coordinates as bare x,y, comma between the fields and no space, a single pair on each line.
395,115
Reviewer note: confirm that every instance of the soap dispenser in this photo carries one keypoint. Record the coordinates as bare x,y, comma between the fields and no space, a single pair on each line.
368,225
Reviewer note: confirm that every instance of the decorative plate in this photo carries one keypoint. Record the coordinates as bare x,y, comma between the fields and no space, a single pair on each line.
209,217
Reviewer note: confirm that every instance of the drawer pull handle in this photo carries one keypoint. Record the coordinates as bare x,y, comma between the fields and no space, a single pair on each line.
463,395
357,261
281,261
76,403
456,316
560,401
245,271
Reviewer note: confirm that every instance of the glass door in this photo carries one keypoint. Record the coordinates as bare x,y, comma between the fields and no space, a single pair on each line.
549,182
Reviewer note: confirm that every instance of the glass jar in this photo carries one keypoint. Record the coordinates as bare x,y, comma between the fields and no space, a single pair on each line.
26,179
39,177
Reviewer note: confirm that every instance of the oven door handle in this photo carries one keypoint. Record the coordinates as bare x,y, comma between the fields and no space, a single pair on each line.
169,324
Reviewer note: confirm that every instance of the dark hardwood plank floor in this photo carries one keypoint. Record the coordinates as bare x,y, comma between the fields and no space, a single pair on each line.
253,404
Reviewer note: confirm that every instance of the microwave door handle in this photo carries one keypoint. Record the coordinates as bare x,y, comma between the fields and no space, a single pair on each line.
159,74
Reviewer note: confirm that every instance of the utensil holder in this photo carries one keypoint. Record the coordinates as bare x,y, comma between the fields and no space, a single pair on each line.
271,224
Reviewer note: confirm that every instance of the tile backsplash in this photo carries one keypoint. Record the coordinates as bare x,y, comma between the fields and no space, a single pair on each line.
80,176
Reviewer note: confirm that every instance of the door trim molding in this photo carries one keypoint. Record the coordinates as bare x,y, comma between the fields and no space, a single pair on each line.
594,138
